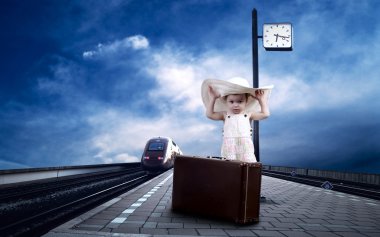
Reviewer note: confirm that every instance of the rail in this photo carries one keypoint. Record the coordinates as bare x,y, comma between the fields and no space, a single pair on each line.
37,207
13,176
350,177
368,190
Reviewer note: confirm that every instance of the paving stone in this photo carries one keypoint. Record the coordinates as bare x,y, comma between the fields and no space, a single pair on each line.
182,232
184,220
351,234
160,219
106,229
366,228
270,214
155,214
153,231
223,226
247,226
159,209
299,216
263,224
268,219
323,234
89,228
106,216
315,221
372,234
196,225
240,233
150,225
137,222
314,228
130,225
296,234
340,217
290,220
212,232
280,229
341,228
169,225
127,229
290,209
285,225
340,222
137,218
95,221
366,223
141,213
212,221
268,233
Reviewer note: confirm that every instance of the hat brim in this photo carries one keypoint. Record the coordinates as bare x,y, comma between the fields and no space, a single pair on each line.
227,88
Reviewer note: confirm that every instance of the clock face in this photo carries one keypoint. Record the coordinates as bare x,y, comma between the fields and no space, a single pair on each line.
277,36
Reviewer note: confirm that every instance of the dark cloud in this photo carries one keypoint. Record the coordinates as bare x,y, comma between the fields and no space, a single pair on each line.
38,138
345,139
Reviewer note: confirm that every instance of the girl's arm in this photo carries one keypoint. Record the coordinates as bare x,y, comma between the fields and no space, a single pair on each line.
261,96
210,107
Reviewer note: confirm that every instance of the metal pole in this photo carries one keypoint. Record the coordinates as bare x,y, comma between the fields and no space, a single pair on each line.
255,67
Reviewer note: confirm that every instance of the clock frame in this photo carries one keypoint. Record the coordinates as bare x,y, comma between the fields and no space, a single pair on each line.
278,36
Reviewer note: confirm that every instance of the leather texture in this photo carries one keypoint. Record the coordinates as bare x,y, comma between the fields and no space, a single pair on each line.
217,188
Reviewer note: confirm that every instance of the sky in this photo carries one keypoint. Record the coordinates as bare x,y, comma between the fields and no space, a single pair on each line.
90,81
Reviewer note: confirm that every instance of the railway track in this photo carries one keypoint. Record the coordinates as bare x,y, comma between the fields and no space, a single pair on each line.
33,210
34,189
369,191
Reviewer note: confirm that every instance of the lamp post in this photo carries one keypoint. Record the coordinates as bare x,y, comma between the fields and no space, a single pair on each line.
255,67
276,37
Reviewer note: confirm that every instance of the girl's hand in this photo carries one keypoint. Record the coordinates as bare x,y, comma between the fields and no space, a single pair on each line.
259,95
214,94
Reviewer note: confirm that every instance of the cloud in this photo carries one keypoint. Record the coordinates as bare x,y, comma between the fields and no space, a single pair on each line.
136,42
294,91
179,74
114,103
331,64
337,78
334,139
117,133
120,158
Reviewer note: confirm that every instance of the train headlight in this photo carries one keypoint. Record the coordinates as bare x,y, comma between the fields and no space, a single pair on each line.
160,158
146,157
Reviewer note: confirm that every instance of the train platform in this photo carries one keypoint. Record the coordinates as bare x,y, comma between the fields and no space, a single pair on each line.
289,209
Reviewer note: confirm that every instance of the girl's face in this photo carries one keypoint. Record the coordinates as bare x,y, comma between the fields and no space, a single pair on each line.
236,103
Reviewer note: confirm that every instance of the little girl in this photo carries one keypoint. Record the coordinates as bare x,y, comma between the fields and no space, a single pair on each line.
237,104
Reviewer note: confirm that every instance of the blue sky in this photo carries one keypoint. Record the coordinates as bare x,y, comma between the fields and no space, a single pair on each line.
89,82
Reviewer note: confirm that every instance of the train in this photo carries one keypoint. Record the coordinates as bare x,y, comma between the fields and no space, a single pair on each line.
159,154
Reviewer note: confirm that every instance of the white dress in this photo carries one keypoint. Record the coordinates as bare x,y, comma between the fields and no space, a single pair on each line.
237,138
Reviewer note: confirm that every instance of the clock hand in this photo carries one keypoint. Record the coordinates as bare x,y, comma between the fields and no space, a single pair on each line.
276,36
283,37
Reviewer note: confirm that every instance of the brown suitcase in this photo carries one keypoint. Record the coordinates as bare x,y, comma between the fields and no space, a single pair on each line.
217,188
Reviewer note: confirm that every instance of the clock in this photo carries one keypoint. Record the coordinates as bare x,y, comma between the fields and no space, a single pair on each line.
277,36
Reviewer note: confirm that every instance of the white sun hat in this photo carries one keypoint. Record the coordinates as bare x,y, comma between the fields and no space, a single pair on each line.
235,85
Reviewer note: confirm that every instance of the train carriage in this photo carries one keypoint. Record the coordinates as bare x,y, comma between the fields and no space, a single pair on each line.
159,154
